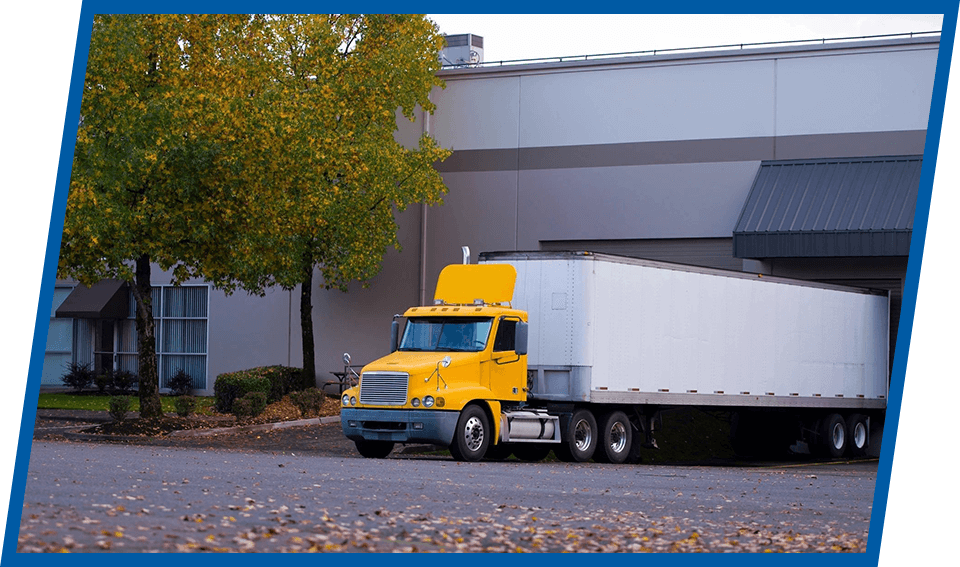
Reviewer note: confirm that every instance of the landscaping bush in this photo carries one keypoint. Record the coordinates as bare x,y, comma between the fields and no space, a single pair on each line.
234,385
181,384
119,406
103,382
250,405
279,380
185,405
308,401
283,380
78,376
123,382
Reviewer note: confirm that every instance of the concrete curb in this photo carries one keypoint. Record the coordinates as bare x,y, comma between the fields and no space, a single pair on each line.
75,433
258,427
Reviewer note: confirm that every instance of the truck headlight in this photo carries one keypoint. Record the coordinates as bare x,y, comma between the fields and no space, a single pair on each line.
346,399
415,402
428,401
353,400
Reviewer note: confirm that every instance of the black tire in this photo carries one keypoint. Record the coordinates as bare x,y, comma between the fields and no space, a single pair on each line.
616,437
833,436
499,452
374,449
531,452
858,435
472,436
579,439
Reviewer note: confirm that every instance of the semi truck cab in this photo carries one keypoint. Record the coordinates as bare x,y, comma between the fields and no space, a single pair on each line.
457,376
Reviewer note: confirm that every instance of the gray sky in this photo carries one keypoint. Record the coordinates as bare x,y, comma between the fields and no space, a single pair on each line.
517,36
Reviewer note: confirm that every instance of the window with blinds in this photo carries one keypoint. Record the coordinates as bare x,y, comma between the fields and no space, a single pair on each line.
180,314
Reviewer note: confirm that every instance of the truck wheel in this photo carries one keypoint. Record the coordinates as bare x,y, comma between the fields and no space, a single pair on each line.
858,440
499,452
374,449
531,452
833,435
616,437
580,438
472,436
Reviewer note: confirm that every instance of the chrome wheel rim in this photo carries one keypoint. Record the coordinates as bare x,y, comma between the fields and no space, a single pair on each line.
838,436
618,438
582,435
473,433
860,435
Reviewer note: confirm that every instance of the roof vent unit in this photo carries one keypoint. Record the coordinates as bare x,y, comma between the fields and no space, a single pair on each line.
463,50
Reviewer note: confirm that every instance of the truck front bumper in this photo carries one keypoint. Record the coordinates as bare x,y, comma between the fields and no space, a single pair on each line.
399,426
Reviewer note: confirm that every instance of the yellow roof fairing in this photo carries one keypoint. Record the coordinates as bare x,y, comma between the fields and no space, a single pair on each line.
465,284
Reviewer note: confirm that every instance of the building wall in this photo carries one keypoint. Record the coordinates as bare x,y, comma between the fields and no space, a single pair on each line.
662,147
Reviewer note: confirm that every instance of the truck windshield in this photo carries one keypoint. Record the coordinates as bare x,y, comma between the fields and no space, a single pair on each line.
457,334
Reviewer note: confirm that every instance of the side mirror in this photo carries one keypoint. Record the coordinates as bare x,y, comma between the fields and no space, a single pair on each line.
346,359
394,335
445,361
520,342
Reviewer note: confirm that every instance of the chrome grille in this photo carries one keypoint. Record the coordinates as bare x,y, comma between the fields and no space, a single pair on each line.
383,389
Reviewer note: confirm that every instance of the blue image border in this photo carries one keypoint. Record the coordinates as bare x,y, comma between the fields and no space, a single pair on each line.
948,9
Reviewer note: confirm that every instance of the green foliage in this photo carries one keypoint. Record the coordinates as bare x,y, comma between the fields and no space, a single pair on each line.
120,382
119,407
246,151
308,401
123,382
78,376
181,383
250,405
185,405
234,385
283,380
339,174
158,173
92,402
103,381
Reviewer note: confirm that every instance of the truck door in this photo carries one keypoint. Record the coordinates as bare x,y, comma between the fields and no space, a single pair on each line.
507,375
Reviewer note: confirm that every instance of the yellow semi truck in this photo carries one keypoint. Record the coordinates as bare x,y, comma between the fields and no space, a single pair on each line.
576,352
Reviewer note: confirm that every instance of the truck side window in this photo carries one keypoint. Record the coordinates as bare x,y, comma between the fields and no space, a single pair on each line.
506,335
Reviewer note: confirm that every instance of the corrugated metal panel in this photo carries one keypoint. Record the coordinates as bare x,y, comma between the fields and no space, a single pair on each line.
830,207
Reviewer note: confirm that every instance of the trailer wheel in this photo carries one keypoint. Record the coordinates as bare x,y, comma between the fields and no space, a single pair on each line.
374,449
472,436
616,437
833,435
580,438
857,435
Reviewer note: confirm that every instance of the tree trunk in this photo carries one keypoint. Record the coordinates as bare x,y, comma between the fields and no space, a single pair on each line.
309,376
146,342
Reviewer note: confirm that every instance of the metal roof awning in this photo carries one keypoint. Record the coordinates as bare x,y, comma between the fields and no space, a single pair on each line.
106,299
830,207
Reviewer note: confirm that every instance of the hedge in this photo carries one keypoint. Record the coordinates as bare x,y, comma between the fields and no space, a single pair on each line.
274,381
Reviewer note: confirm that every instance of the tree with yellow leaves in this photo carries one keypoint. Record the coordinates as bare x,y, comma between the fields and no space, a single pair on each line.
245,151
335,173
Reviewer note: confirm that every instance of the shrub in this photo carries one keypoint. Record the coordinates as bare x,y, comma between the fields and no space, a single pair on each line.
251,404
103,381
184,405
124,382
234,385
181,384
78,376
308,401
119,406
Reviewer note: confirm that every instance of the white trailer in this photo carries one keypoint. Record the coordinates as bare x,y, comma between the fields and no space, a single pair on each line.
643,336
